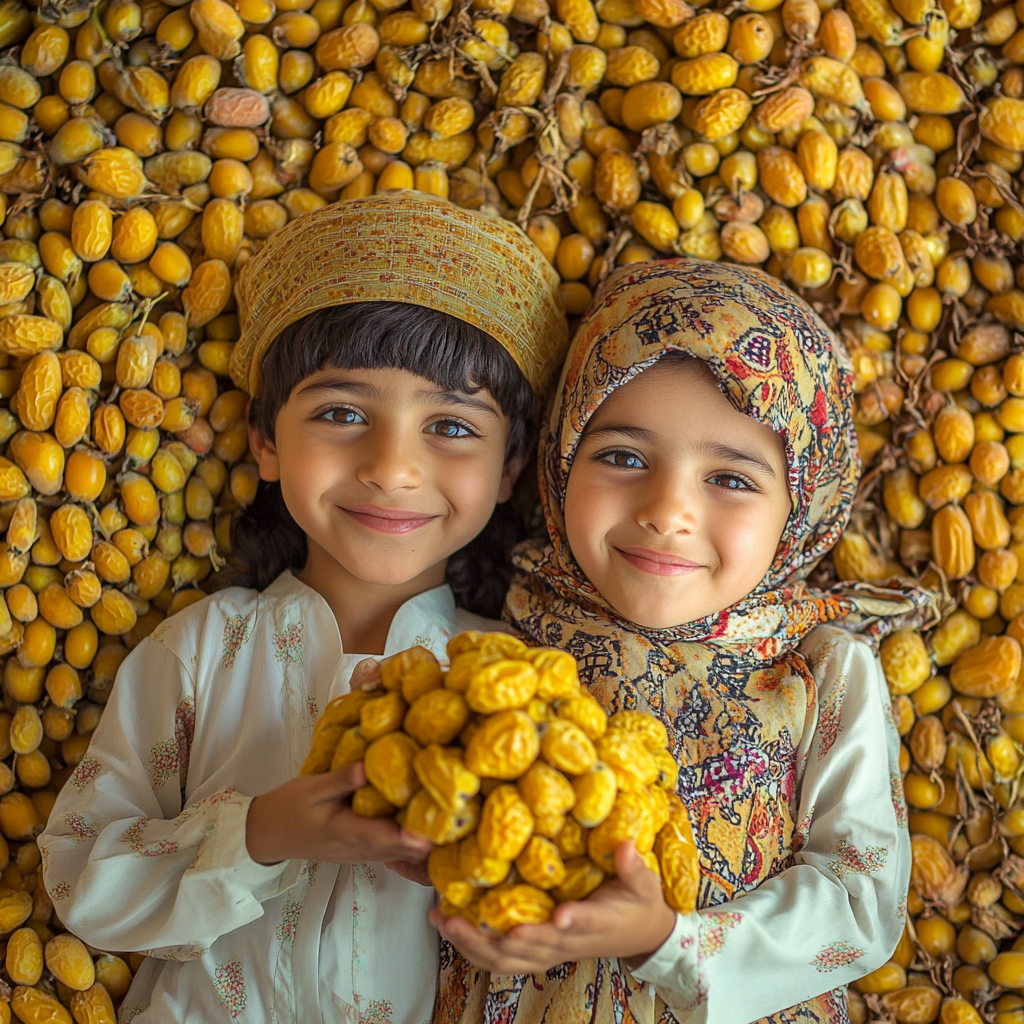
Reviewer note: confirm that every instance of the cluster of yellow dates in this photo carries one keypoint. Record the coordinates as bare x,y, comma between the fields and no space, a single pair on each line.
515,773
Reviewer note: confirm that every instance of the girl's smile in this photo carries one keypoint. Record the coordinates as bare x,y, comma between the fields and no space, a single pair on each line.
658,563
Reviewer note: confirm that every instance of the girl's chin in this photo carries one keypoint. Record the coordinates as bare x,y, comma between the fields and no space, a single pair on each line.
653,603
654,618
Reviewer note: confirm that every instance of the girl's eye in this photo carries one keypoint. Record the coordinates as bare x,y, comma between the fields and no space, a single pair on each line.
346,417
731,482
451,429
622,460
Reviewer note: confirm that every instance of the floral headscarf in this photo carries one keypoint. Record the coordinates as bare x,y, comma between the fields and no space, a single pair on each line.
734,690
776,361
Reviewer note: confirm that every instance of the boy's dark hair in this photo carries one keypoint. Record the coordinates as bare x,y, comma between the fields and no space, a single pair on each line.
448,352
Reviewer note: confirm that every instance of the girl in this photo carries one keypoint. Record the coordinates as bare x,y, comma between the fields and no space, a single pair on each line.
699,461
389,417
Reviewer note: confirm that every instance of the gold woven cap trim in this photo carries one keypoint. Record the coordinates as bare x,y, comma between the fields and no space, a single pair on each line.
404,246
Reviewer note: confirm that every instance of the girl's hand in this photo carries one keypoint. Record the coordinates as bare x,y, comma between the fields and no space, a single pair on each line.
627,918
309,818
366,675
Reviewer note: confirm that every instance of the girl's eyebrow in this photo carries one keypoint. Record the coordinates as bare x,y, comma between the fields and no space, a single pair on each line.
709,449
716,450
637,433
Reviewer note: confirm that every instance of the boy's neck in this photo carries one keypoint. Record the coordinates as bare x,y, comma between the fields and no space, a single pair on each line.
364,611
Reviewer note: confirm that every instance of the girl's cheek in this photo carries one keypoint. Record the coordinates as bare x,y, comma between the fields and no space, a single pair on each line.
750,548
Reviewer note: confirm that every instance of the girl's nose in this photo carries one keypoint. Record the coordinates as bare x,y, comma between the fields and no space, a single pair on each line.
668,506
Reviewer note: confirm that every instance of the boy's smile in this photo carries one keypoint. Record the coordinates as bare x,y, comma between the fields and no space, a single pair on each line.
676,501
388,520
387,475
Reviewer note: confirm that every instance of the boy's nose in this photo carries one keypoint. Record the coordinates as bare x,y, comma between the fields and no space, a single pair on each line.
390,464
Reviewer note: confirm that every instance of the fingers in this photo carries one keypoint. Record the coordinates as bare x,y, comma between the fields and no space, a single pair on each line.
378,838
584,917
457,929
413,872
366,675
420,844
487,952
564,916
634,874
537,942
342,781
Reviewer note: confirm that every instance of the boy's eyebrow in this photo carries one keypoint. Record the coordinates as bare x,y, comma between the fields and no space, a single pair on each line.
363,388
710,449
324,387
461,398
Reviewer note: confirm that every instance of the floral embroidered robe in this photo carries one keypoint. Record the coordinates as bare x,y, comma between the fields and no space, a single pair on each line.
795,796
145,849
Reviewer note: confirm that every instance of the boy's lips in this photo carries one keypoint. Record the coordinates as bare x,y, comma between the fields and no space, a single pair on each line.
658,563
387,520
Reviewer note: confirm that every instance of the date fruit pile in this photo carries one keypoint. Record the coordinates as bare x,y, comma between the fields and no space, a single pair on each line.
867,152
516,774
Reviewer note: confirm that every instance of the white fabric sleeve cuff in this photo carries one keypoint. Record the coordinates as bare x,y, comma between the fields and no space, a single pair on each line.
224,853
674,968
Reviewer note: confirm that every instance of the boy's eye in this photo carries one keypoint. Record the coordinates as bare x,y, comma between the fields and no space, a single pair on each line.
347,417
450,428
731,482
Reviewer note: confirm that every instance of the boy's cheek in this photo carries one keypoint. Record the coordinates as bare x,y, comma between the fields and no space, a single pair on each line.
472,491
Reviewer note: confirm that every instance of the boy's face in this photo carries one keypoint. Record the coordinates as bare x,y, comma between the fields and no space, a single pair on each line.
676,501
386,473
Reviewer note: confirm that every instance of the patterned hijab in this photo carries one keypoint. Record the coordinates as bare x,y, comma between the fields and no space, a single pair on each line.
734,691
776,361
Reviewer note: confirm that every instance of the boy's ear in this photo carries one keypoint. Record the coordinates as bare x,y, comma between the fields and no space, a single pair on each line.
509,476
264,452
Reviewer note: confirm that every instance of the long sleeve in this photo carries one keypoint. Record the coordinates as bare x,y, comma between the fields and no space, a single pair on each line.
127,866
838,912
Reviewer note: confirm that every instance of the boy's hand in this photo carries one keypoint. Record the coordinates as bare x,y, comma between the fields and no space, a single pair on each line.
627,918
309,818
413,872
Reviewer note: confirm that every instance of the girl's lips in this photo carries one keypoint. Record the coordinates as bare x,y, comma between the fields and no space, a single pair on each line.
658,564
388,520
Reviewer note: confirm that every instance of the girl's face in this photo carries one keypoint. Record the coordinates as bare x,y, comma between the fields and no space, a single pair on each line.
676,501
386,473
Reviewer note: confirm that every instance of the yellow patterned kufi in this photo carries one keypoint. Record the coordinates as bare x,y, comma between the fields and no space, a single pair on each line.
404,246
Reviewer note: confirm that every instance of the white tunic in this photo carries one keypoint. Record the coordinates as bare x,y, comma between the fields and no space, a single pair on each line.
829,918
838,912
145,848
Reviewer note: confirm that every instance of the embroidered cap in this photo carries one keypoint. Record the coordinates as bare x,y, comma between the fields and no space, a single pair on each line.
404,246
